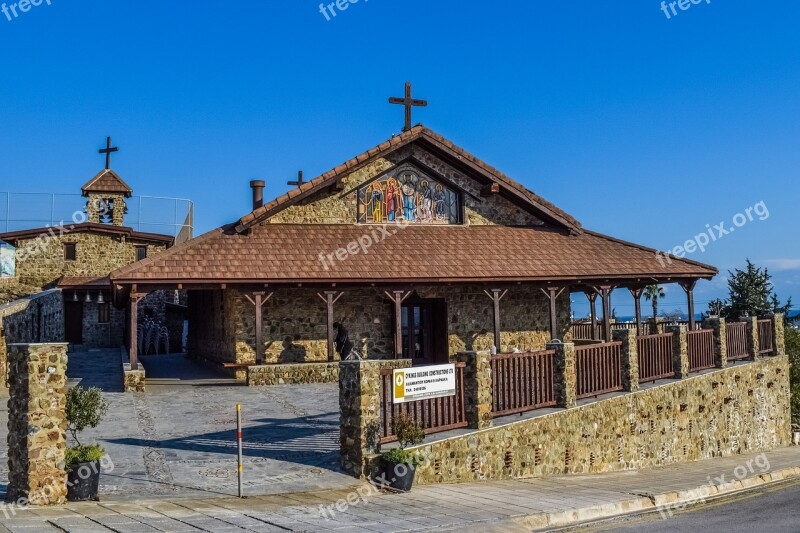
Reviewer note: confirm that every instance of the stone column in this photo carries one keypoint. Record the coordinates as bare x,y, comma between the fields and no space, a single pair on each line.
37,423
656,325
717,325
360,411
753,346
680,350
778,334
630,358
566,378
477,388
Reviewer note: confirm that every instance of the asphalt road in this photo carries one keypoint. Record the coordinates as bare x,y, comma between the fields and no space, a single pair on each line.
773,509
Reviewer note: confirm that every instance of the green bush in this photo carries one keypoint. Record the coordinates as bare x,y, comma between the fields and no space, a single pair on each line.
86,408
83,454
408,433
793,349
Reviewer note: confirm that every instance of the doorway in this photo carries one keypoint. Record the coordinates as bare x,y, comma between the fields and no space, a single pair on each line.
73,322
424,327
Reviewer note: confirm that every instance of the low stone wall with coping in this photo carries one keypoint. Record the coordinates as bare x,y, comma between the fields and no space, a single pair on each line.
262,375
132,380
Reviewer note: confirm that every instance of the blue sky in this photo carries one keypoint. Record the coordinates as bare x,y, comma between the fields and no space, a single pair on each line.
640,126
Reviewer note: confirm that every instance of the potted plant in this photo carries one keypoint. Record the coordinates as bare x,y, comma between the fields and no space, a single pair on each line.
85,409
399,464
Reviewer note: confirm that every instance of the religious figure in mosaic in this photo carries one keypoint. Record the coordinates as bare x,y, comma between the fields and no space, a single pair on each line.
377,202
439,198
409,189
392,199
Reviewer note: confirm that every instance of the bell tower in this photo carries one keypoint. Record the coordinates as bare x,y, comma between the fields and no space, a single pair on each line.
106,193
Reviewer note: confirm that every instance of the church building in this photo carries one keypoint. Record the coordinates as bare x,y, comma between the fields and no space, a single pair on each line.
420,249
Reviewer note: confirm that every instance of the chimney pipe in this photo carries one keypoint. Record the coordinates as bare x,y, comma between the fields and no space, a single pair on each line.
258,193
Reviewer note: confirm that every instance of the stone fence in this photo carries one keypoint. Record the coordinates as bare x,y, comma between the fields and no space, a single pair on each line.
35,319
360,398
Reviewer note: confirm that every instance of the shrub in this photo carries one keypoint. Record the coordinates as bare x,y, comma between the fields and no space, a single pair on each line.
408,433
83,454
85,409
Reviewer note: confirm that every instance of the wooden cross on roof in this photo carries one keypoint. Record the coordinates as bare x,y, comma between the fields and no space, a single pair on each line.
299,181
108,150
409,103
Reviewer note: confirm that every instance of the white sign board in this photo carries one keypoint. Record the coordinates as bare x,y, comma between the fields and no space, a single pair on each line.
412,384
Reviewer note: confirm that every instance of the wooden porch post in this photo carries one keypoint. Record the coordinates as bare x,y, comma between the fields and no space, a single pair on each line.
330,298
496,297
258,301
133,325
592,296
688,286
552,294
605,293
397,297
637,299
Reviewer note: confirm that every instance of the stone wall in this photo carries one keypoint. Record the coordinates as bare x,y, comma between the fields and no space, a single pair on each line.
262,375
295,330
41,262
37,439
741,409
37,318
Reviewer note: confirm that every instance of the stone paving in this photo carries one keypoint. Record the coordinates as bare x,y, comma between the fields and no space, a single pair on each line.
178,441
506,506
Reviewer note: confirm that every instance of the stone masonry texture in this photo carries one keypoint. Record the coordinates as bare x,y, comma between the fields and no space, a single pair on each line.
740,409
37,423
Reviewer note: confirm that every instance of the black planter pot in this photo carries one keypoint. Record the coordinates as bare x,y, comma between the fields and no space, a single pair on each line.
399,476
83,481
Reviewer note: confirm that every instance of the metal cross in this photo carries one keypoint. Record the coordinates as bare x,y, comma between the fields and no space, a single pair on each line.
299,181
409,103
108,150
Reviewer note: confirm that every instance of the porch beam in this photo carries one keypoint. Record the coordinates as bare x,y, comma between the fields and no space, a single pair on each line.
552,294
637,300
489,190
133,325
496,295
688,287
258,300
330,298
605,294
398,297
591,295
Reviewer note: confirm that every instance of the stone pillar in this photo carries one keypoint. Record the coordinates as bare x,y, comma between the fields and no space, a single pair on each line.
753,346
630,358
566,378
778,334
360,411
656,325
680,350
37,423
717,325
477,388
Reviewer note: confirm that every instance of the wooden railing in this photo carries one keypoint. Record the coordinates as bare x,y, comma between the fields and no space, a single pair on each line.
655,357
433,414
522,382
736,336
701,349
584,331
598,368
765,346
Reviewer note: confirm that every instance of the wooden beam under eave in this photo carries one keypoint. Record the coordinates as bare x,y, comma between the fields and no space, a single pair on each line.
488,190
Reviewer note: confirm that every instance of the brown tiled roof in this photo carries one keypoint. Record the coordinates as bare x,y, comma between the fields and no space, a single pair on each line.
439,144
275,253
12,237
107,181
84,282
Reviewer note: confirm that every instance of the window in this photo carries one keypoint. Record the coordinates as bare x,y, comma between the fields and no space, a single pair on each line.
406,196
70,251
103,311
141,252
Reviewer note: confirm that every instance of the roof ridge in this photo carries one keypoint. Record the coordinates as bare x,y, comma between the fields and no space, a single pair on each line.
100,175
418,131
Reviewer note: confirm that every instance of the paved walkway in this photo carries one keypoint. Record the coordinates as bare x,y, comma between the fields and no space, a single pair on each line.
520,505
178,441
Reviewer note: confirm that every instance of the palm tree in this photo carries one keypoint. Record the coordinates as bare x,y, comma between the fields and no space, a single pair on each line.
653,293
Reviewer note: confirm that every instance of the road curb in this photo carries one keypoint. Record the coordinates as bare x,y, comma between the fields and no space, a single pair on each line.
675,500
